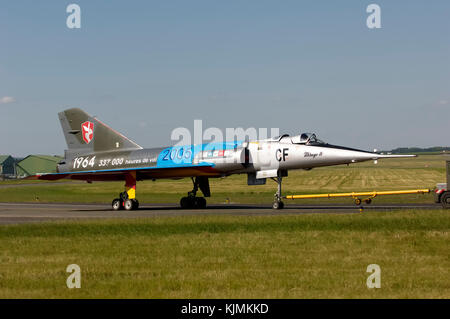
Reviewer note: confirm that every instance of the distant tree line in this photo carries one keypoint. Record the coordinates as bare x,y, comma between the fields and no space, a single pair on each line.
413,150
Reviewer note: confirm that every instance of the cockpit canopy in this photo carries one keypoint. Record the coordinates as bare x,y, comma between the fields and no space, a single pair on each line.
306,138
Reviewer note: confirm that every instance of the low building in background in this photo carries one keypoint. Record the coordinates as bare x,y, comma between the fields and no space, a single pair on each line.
37,164
7,167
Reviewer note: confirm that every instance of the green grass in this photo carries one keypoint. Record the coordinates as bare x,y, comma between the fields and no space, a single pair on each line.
299,256
303,256
393,174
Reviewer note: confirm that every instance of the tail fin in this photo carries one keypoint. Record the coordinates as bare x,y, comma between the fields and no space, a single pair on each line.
85,134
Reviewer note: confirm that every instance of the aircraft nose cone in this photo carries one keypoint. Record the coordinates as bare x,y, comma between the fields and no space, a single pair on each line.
362,156
353,155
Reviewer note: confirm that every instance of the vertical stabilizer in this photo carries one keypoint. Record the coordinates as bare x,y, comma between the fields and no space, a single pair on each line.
86,134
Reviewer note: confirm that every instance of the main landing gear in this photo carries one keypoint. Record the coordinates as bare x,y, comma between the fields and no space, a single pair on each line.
277,203
123,202
127,199
191,201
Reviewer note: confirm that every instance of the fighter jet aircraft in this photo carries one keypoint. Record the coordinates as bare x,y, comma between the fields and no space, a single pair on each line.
96,152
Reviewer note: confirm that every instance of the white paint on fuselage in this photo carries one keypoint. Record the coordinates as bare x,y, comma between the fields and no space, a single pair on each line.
270,155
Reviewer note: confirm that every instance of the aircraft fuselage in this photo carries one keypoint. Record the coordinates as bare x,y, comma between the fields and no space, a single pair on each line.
218,159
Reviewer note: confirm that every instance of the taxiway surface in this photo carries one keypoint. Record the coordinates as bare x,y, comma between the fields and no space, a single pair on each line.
16,213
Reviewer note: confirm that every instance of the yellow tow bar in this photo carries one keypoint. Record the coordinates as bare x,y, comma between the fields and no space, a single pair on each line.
356,195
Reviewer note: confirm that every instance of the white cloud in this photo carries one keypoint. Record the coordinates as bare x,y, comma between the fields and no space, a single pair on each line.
7,99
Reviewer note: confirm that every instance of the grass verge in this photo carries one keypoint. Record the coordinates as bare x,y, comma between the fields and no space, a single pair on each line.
306,256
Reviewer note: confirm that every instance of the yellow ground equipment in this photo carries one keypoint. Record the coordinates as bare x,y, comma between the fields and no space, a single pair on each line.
366,196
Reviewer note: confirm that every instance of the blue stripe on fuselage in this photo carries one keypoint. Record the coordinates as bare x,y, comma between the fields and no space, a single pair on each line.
183,155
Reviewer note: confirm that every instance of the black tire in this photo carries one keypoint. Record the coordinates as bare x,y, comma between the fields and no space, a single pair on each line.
278,205
445,200
128,204
184,203
135,204
200,202
368,201
117,204
357,201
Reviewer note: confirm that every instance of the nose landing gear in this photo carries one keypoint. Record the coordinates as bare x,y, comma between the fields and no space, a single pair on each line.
277,203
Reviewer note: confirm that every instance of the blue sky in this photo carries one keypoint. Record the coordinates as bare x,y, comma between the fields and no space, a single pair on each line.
147,67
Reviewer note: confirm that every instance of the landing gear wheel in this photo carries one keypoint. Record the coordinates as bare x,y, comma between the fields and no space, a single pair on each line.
135,204
200,202
445,200
278,205
117,204
192,202
368,201
357,201
185,203
128,204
